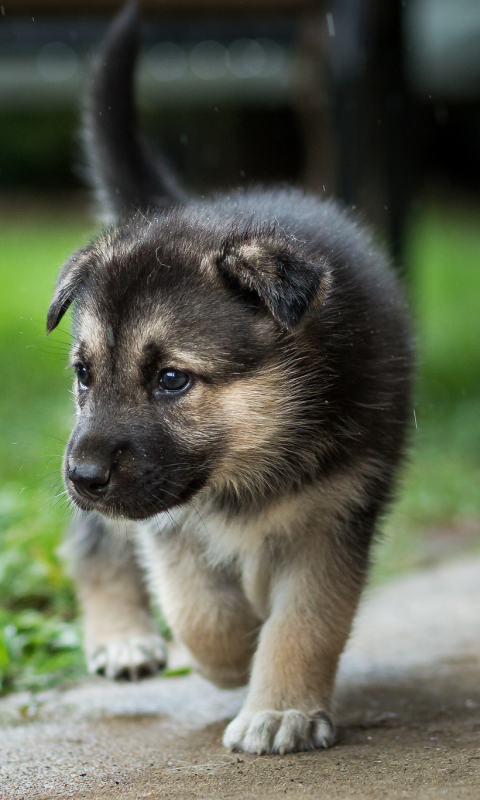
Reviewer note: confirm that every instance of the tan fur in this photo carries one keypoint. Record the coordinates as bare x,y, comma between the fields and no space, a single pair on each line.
92,334
219,586
257,414
120,633
289,520
113,610
204,604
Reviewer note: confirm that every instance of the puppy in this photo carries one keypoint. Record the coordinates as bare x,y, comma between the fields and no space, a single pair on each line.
243,372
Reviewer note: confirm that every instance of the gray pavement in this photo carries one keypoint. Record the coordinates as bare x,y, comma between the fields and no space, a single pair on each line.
408,703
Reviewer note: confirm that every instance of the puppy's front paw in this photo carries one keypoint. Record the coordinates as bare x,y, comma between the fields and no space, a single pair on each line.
129,658
279,732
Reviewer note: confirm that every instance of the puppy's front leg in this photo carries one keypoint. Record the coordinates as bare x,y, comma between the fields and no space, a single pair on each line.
121,639
313,600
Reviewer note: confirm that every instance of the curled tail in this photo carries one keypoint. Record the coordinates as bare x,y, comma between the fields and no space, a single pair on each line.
120,167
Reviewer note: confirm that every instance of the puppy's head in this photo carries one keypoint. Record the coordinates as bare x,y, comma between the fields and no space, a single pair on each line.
186,360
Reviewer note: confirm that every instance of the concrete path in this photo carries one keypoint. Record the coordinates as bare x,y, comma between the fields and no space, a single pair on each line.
408,707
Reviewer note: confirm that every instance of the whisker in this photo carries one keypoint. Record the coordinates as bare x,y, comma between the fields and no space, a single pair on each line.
190,503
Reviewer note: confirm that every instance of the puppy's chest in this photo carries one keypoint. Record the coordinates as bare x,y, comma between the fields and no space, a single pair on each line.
242,548
248,547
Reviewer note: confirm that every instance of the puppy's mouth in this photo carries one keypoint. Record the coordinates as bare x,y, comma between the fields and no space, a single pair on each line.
138,499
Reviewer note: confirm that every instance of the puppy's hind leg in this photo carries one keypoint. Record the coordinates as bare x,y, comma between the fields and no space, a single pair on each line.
121,639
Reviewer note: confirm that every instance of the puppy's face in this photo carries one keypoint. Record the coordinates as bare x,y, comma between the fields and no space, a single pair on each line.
180,370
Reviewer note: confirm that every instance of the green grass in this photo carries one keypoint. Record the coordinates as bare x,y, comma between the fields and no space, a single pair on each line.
39,638
445,274
39,633
440,490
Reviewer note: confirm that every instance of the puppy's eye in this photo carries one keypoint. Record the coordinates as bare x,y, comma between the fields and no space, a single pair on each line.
83,375
173,380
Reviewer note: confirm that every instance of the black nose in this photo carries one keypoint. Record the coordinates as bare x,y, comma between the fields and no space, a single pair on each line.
89,478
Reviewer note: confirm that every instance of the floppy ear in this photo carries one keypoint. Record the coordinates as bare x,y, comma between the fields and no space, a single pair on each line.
71,277
270,266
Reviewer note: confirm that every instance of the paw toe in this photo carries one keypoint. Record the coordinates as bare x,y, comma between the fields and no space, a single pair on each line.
261,732
293,733
234,733
323,730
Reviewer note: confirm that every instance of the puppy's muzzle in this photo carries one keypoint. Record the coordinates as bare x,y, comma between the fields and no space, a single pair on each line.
122,476
91,479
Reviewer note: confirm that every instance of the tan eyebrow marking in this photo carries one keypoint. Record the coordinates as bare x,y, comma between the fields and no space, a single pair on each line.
185,359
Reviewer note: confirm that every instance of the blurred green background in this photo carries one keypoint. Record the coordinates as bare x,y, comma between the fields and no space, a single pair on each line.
259,134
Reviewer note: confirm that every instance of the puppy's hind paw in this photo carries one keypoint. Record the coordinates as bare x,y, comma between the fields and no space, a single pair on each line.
279,732
130,658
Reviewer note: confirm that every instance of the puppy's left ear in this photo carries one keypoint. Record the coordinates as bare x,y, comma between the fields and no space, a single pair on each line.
271,267
71,277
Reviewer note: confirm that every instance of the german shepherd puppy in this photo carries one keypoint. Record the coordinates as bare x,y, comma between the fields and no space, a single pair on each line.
243,374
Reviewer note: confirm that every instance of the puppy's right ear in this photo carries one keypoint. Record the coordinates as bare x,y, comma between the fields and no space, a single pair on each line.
69,281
